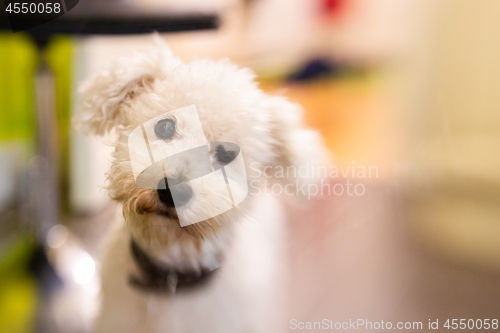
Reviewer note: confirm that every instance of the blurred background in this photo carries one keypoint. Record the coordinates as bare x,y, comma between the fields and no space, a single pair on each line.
410,87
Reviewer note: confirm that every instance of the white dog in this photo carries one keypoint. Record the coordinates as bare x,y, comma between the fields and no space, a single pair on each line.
220,274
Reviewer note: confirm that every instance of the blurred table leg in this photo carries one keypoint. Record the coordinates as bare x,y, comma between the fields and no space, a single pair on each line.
47,183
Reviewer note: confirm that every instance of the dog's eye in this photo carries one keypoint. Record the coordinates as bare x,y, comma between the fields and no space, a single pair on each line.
223,155
165,129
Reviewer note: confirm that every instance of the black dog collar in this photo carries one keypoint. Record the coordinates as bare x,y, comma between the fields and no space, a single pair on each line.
158,277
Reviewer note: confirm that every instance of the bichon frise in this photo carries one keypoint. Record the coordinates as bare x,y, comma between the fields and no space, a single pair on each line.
195,250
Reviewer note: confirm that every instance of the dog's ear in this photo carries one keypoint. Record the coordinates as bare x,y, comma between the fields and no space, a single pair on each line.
295,145
104,93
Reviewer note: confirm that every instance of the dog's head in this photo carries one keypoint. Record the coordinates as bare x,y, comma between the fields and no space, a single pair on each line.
235,117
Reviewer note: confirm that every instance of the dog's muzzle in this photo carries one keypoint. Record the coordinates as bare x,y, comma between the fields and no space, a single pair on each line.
200,179
183,193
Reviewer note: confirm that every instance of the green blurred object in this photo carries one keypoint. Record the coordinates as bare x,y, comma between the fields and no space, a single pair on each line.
18,293
18,296
18,63
59,59
18,59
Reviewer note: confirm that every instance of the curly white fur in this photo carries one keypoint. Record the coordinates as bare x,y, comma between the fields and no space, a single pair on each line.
245,294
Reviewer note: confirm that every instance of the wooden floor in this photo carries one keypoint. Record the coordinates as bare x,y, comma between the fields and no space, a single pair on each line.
355,258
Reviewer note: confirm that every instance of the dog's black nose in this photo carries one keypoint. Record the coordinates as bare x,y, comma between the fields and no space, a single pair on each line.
182,194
